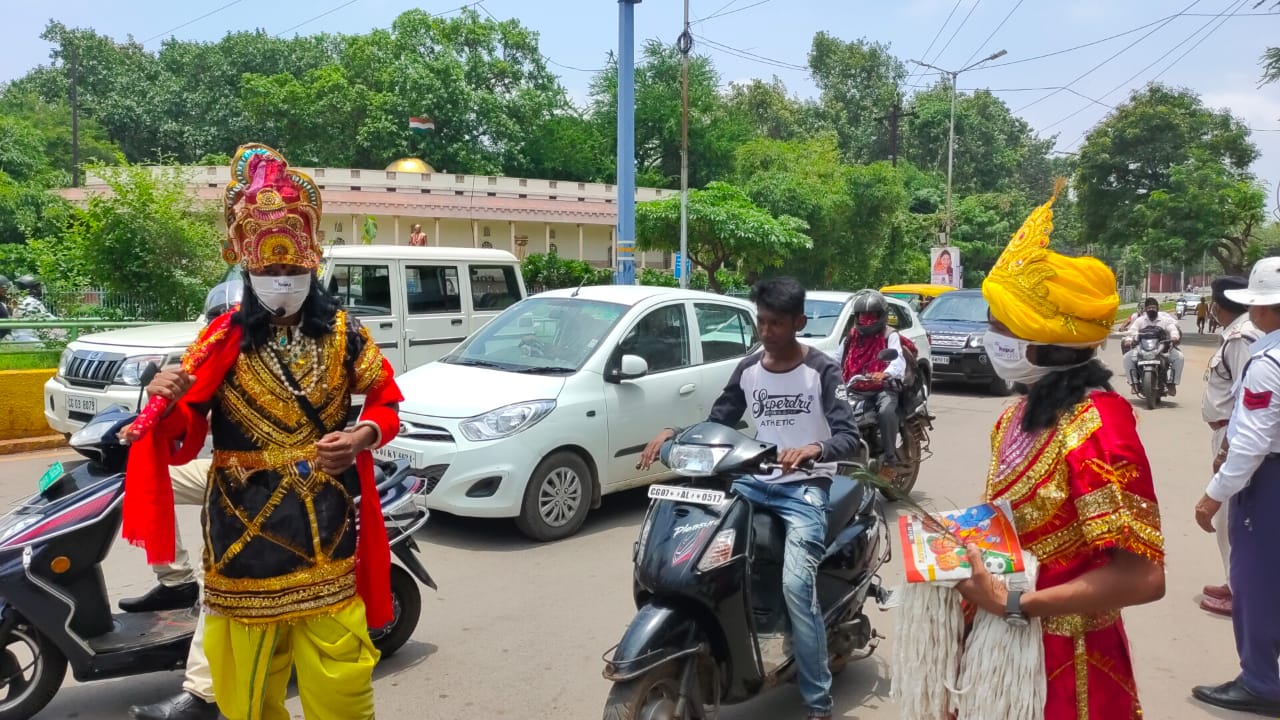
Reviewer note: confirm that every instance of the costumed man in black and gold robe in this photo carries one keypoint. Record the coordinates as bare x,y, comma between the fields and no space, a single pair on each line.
291,579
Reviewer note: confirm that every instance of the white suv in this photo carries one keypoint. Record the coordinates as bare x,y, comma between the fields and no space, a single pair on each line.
550,405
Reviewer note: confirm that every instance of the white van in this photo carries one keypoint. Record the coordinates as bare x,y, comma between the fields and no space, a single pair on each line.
418,303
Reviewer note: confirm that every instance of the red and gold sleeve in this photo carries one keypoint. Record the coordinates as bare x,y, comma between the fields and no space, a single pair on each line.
1112,485
374,378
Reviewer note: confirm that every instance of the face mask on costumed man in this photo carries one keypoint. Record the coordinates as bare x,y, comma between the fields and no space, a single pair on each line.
295,573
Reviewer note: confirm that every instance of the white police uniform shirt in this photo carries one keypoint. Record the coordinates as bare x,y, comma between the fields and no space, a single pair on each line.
1225,368
1254,432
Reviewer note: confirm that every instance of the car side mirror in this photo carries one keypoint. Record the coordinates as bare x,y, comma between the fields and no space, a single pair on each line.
887,355
632,367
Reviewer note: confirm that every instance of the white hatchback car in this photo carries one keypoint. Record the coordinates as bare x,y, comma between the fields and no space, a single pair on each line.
548,407
830,316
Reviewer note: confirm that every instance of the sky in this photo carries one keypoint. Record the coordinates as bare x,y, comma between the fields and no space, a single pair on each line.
1213,47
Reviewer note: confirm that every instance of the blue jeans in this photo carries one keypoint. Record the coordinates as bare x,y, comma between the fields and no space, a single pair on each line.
802,508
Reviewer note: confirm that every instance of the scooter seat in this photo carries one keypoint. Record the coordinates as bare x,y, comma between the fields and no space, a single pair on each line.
846,499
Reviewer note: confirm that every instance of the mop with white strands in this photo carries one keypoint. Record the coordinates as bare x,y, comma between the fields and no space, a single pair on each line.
997,672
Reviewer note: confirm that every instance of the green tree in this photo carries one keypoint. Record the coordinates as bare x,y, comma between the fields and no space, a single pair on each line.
714,130
565,147
853,212
984,223
115,240
859,82
723,226
27,209
1172,176
772,113
995,151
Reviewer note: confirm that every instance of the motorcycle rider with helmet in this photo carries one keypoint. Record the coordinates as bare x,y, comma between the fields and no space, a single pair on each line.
1153,317
869,335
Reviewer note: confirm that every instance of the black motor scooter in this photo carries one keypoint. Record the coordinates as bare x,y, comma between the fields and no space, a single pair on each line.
711,626
54,608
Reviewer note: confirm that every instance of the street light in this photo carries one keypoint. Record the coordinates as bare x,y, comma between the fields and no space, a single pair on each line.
951,143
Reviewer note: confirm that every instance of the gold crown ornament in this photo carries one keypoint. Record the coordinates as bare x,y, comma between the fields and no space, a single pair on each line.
271,212
1049,298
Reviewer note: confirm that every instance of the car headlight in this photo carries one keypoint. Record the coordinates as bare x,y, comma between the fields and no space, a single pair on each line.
975,341
65,361
696,460
130,372
506,421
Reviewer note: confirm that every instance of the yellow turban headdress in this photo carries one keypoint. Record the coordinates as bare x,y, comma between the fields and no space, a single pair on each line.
1049,298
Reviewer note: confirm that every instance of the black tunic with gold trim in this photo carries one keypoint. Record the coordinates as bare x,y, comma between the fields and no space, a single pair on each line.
280,534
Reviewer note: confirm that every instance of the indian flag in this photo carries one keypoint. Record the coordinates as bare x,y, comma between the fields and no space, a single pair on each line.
420,124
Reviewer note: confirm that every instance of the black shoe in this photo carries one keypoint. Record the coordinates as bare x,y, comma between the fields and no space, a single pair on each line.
1173,390
183,706
163,597
1234,696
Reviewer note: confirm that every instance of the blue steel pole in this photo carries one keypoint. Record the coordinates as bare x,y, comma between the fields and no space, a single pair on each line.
625,273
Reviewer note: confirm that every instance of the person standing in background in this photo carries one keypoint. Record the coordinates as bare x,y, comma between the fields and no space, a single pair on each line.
1225,368
417,238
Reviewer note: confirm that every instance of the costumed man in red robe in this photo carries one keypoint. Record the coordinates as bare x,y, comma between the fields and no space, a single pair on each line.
290,582
1067,458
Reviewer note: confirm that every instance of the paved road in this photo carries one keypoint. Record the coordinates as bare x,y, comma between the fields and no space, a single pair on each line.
517,629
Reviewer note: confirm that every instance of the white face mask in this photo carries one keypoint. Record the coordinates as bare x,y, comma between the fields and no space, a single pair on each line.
281,294
1009,359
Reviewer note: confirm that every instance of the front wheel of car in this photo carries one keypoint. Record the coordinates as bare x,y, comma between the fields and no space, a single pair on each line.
557,498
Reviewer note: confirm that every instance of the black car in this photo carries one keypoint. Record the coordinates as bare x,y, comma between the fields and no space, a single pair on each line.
956,322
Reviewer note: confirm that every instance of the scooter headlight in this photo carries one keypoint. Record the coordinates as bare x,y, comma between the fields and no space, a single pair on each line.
719,551
696,460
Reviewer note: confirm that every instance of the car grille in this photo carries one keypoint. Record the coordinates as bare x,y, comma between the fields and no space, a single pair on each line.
422,431
946,340
431,477
91,368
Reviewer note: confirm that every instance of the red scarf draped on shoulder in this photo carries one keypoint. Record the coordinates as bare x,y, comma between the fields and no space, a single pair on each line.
177,438
860,356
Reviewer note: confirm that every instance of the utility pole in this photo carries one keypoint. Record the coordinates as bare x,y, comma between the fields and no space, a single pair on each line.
951,143
685,44
894,117
625,274
75,122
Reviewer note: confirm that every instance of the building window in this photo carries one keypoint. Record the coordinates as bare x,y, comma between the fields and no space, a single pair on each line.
493,180
355,173
486,231
553,233
486,245
554,250
524,182
337,227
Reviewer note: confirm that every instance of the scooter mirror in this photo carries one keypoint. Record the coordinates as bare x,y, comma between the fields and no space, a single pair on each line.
888,355
149,373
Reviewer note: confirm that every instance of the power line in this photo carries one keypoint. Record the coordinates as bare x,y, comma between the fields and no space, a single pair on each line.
195,20
934,41
722,12
1117,54
748,55
317,17
983,46
1223,19
957,30
1131,78
715,12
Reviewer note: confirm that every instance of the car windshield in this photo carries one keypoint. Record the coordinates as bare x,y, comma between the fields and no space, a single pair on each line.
540,335
954,307
822,315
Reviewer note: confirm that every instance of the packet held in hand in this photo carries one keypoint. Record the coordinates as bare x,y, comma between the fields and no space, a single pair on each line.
932,555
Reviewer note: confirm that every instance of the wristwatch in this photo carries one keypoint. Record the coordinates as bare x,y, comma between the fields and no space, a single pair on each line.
1013,609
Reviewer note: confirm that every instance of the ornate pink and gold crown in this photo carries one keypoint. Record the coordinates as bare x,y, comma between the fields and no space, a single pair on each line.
271,212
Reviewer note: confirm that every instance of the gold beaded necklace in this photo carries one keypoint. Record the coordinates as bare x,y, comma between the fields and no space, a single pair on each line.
290,345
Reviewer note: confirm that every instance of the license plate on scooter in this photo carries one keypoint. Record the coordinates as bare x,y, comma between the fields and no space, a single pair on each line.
685,494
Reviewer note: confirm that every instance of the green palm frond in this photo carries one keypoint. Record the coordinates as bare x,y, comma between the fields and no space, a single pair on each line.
931,522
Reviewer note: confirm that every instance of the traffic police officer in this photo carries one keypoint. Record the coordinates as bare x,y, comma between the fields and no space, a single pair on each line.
1238,334
1249,480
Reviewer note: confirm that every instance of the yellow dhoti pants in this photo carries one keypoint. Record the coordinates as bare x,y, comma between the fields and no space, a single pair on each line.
251,666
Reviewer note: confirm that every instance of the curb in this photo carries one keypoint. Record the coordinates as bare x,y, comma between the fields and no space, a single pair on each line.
26,445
